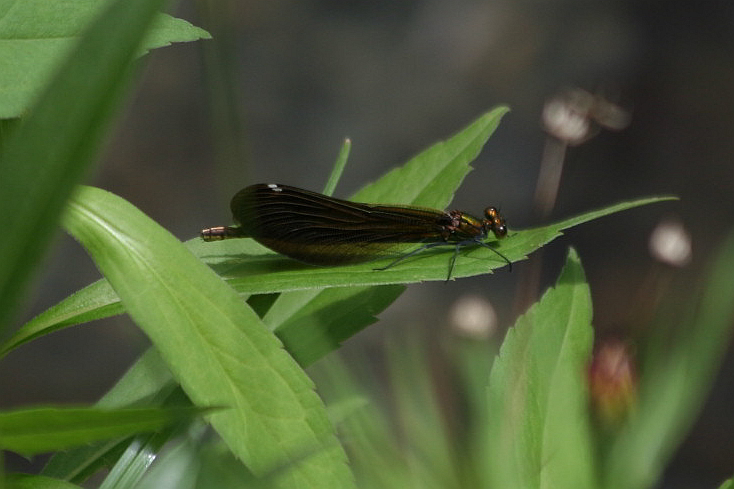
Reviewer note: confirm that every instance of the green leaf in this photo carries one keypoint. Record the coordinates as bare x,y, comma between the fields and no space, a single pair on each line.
178,468
313,323
52,149
376,452
78,464
539,432
148,382
260,271
130,461
136,459
25,481
37,35
340,313
214,344
219,469
38,430
728,484
336,172
95,301
424,431
167,30
677,376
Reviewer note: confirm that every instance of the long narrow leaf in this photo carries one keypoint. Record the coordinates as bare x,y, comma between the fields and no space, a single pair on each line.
266,272
50,152
137,458
215,346
148,382
38,430
25,481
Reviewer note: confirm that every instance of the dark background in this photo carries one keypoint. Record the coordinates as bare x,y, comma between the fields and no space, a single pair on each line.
286,81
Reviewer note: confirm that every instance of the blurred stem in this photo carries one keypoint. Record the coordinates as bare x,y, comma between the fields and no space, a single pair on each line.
546,192
232,148
549,177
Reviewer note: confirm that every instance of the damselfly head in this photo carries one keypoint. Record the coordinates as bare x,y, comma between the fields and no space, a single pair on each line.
494,222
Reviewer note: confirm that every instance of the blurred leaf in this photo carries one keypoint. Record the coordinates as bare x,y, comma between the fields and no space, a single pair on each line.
136,459
675,382
78,464
51,150
428,444
213,343
131,464
539,432
148,382
473,359
95,301
38,430
177,468
25,481
369,436
38,34
729,484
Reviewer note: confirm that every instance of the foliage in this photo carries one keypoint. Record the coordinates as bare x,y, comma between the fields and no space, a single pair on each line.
237,366
527,420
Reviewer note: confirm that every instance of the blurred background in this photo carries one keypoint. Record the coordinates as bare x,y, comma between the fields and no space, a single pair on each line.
284,81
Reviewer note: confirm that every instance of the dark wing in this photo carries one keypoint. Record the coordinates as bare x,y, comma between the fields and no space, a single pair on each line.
318,229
